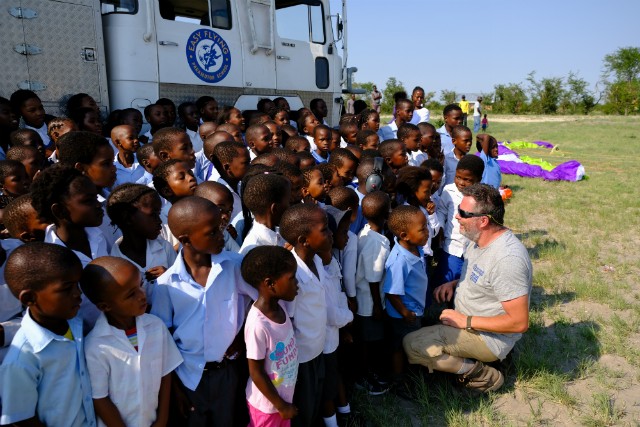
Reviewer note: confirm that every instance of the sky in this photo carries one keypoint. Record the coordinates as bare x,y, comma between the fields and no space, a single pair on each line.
470,46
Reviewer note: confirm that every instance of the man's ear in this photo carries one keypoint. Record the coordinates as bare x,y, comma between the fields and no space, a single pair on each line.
27,297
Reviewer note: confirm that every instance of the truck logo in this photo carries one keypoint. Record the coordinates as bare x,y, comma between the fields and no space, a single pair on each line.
208,55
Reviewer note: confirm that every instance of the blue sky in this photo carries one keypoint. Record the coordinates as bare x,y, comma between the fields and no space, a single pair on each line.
469,46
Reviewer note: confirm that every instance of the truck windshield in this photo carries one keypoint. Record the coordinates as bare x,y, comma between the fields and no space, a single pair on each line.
119,6
300,20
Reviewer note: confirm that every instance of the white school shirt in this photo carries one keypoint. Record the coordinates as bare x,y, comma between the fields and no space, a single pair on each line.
309,310
45,375
42,131
129,378
389,131
417,157
145,179
159,252
202,165
125,174
53,158
88,311
111,233
10,307
420,115
166,233
196,141
373,251
237,201
338,313
260,235
312,143
348,258
149,136
446,209
204,320
230,244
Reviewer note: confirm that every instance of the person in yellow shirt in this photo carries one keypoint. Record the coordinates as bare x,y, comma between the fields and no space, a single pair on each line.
464,105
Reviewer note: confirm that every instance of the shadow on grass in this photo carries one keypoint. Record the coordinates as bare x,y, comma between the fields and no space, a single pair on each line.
545,248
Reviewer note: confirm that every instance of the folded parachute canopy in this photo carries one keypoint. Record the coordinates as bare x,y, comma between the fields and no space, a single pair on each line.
512,163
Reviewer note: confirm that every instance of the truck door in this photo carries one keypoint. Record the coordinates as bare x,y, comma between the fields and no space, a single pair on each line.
302,62
198,43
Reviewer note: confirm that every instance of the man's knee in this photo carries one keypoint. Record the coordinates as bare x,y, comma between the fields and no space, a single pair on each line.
423,346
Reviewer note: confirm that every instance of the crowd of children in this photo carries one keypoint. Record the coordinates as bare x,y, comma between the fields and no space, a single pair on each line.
225,267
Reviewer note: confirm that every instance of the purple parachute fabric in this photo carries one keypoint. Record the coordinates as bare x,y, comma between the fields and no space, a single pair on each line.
510,163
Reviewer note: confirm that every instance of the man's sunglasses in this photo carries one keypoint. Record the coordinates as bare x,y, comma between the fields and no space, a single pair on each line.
466,215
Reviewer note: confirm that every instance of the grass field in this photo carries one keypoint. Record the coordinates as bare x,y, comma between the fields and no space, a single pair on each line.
579,363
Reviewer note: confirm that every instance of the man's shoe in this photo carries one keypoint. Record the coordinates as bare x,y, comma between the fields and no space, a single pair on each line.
482,378
372,387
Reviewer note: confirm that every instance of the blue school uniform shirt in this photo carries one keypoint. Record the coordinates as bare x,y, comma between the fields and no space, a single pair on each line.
203,320
492,174
318,158
445,139
45,375
406,276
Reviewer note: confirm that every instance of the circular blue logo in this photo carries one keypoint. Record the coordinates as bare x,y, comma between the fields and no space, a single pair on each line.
208,55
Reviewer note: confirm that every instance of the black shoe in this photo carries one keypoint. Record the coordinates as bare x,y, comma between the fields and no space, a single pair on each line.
372,387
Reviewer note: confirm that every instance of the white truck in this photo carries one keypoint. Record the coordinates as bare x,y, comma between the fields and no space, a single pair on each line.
129,53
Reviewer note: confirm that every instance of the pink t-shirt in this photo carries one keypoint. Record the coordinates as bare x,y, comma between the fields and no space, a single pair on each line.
276,344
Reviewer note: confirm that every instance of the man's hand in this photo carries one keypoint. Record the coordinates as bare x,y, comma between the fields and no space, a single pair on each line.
454,319
444,292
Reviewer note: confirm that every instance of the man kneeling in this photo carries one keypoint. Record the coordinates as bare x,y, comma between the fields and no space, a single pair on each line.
491,298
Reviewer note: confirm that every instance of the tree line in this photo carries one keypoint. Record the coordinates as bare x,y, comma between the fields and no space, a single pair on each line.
617,92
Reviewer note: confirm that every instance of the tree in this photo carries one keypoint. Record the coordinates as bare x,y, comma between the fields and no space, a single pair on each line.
448,96
393,86
510,98
578,98
545,94
624,63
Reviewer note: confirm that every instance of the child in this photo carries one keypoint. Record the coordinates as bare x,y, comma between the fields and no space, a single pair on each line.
135,209
420,112
427,137
169,109
208,108
306,126
373,251
173,180
276,134
27,105
322,141
68,200
484,122
231,160
488,151
259,140
127,167
232,130
335,139
221,196
27,137
314,187
414,185
8,123
149,161
405,282
57,127
271,346
410,135
266,197
369,119
45,366
452,114
394,154
294,175
346,164
81,100
190,119
366,169
404,113
87,119
305,227
11,310
232,116
199,299
348,130
14,180
469,171
206,129
280,116
297,144
307,161
338,313
30,157
330,175
462,140
367,139
157,118
131,117
173,143
22,220
130,354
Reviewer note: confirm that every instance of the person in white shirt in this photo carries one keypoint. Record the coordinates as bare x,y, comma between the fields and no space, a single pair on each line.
266,196
452,114
305,227
477,114
130,354
420,112
202,298
127,167
404,113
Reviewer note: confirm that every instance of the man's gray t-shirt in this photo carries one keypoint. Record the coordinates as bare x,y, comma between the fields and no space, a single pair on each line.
501,271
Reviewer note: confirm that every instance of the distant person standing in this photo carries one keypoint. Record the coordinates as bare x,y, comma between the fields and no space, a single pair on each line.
464,105
477,113
485,123
350,102
376,99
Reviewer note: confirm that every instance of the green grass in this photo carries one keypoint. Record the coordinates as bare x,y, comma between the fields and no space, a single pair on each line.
583,238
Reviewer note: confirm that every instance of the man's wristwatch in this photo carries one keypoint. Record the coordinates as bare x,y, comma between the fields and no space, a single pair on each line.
469,328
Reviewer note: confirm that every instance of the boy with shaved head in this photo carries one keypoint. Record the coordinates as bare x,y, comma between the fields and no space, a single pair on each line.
202,299
130,354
